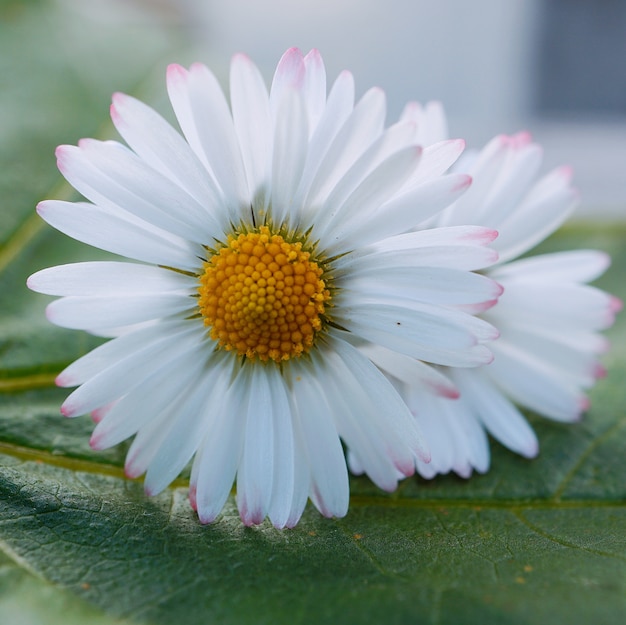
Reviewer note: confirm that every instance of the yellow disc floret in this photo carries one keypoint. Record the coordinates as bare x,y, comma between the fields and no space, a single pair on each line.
262,296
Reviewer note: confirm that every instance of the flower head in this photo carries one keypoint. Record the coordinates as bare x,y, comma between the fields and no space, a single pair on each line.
269,242
549,318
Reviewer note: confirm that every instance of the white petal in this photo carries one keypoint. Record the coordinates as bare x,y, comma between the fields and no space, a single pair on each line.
178,91
280,508
399,427
329,475
113,351
485,169
533,384
360,130
290,150
562,305
429,333
109,278
354,464
460,248
215,128
518,173
501,418
535,219
457,439
107,173
301,473
570,359
571,266
433,285
393,140
253,125
214,469
408,209
290,74
471,443
437,159
94,311
256,469
161,147
155,398
336,226
409,370
430,120
353,420
434,415
146,443
338,108
434,237
112,233
314,87
194,413
457,257
119,378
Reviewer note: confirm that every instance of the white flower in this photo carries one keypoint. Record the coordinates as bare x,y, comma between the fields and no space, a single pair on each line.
548,317
268,243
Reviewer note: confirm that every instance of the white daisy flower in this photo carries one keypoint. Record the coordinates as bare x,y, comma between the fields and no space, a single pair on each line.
549,318
269,242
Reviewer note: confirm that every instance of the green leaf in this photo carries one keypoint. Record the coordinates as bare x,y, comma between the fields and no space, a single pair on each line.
530,542
27,599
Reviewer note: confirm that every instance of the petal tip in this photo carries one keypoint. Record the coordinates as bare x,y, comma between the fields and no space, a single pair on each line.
67,410
464,182
616,304
521,139
206,519
118,100
251,517
489,356
423,455
175,74
293,51
97,415
313,55
566,172
131,472
193,500
451,393
584,405
599,371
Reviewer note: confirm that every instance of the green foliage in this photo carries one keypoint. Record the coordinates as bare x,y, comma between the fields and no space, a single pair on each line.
530,542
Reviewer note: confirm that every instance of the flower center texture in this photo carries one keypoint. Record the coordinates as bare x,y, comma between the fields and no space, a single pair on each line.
263,296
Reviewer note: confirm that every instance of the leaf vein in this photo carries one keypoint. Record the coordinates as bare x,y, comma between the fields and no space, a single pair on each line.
562,542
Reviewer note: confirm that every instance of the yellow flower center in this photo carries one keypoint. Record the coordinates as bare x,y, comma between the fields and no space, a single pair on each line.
262,296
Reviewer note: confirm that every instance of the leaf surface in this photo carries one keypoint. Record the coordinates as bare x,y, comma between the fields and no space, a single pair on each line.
531,541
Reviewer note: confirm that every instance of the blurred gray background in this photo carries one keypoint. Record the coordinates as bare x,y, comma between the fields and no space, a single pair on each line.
554,67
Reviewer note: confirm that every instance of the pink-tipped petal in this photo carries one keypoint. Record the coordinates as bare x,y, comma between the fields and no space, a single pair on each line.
585,404
616,304
599,371
290,72
192,497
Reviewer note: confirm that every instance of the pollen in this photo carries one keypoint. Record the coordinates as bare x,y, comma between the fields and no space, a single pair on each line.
263,296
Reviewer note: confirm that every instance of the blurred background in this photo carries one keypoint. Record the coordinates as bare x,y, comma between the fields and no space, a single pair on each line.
554,67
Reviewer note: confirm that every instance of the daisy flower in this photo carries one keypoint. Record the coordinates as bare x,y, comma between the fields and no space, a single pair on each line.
266,245
549,318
